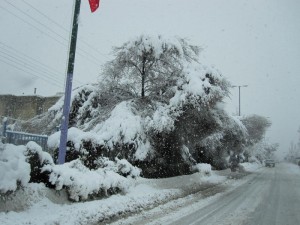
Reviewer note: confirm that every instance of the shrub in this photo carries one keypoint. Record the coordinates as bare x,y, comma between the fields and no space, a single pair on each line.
82,183
37,159
14,170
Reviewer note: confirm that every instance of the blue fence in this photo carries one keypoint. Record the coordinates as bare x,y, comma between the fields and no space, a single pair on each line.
20,138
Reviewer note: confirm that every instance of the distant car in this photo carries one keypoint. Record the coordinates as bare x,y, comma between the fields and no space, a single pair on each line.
270,163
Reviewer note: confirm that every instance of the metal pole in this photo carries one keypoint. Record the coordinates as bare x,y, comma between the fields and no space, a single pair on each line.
239,86
68,88
239,100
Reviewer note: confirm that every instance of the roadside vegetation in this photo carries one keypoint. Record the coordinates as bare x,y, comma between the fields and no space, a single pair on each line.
155,112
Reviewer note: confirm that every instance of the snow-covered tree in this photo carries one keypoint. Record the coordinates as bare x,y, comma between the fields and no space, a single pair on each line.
148,65
256,126
227,138
155,122
256,148
293,154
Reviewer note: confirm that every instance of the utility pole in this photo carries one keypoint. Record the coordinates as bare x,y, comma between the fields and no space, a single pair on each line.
239,86
68,88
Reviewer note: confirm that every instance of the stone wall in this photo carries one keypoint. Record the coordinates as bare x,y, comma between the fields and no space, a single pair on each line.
25,107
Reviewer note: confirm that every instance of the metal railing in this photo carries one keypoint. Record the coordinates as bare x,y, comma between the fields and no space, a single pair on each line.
20,138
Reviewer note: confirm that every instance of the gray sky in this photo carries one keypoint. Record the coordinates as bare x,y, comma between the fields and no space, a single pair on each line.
255,43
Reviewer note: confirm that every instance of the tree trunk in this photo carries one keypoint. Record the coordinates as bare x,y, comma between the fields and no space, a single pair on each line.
143,86
143,76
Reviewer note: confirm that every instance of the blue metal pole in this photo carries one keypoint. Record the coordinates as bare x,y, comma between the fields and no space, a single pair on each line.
4,126
68,89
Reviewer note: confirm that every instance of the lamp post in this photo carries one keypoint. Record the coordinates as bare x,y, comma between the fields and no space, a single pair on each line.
239,86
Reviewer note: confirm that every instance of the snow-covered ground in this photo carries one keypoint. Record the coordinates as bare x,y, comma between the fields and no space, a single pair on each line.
37,204
267,196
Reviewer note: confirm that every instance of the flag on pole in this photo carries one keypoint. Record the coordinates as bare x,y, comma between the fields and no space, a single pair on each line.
94,5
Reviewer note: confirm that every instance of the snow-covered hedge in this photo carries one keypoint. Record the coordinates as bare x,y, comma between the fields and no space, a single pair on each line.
20,165
82,183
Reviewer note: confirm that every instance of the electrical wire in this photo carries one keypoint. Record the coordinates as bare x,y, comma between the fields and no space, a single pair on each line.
94,59
29,73
33,62
14,61
64,29
29,68
91,60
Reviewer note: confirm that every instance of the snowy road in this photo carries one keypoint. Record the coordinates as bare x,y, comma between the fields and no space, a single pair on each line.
270,196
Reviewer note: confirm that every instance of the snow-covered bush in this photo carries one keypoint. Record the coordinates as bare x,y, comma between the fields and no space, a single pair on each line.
82,183
202,168
90,147
120,166
14,170
20,165
37,159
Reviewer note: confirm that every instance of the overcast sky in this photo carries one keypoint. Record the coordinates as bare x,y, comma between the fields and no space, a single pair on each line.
254,43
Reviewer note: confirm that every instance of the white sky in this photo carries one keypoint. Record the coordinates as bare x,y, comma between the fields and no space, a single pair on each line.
255,42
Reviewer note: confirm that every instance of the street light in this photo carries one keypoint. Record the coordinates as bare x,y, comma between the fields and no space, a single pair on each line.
239,86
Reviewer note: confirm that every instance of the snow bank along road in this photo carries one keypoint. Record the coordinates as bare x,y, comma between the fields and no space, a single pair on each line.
270,196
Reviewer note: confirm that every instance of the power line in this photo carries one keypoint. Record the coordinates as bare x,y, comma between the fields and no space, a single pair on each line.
88,57
31,68
64,29
51,30
27,56
42,24
30,24
35,63
24,59
93,59
38,11
28,66
30,73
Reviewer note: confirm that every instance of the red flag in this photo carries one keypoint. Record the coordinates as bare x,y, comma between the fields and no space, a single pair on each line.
94,4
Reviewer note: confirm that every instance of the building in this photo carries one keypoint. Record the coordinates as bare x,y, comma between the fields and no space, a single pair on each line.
25,107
